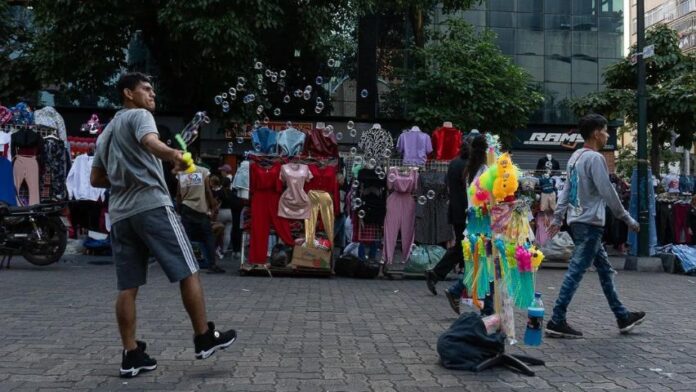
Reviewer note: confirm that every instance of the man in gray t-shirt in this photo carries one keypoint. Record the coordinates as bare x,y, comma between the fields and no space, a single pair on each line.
128,160
589,186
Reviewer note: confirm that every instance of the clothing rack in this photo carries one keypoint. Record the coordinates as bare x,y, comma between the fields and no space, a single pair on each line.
42,130
430,166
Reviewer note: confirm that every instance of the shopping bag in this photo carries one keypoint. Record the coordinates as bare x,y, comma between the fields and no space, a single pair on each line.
560,247
423,257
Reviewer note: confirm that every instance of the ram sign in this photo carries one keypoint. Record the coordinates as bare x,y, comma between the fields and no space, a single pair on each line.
554,139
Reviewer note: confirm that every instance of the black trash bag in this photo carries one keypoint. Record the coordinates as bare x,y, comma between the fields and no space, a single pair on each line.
346,265
466,344
281,255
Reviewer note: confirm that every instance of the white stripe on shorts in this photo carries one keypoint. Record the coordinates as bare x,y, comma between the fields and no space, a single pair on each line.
182,240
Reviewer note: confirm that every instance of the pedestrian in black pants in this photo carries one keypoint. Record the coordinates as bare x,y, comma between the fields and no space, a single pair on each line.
456,215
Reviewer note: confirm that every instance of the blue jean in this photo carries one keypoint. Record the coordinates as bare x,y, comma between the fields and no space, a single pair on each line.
458,288
588,250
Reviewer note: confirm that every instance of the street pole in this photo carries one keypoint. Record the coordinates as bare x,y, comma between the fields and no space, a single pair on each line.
643,181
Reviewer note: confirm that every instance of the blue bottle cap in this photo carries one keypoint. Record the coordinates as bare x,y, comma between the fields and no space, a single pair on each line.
537,295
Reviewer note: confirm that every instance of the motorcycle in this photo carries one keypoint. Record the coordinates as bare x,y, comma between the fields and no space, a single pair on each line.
38,233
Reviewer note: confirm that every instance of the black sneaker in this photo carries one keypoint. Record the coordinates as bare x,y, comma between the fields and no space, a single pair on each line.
213,340
453,301
431,281
136,361
561,330
633,319
215,269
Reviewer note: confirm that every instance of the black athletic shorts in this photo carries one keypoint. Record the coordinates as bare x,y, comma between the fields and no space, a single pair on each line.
157,232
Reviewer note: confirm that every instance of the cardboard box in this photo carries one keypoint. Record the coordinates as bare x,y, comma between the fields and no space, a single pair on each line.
311,258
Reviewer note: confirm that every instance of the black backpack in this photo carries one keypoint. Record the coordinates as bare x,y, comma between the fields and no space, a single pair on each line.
466,344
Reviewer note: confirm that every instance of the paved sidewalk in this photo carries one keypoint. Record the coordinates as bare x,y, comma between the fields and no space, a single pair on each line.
307,334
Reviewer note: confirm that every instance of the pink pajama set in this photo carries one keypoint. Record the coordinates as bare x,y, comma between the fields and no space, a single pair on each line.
401,212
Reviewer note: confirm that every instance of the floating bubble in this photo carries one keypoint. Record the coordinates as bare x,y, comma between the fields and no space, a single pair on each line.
257,124
317,110
379,169
413,248
319,80
298,93
318,100
355,183
240,87
364,93
307,95
233,97
274,78
430,194
276,112
218,99
308,88
381,175
283,73
353,132
301,111
331,63
387,153
339,135
286,99
264,92
361,214
258,65
327,131
350,124
357,202
266,120
372,162
224,95
353,150
249,98
225,105
240,140
241,80
320,105
268,73
358,160
259,109
422,200
233,91
392,177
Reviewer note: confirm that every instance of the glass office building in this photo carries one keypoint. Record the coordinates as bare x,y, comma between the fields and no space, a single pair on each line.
563,44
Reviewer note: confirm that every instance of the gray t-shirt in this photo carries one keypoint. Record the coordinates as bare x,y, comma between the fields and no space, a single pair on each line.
136,176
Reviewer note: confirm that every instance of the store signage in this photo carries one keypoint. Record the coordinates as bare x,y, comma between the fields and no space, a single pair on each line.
554,139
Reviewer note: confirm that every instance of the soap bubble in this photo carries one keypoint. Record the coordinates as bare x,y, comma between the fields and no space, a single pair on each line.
361,214
353,150
258,65
339,135
326,132
381,175
320,105
218,99
355,183
331,63
249,98
350,125
379,169
264,92
372,162
301,111
240,87
268,73
318,100
286,99
364,93
319,80
240,140
266,120
413,248
353,132
422,200
276,112
233,91
259,109
308,88
358,160
241,80
431,194
233,97
257,124
274,78
307,95
392,177
224,95
225,105
357,202
283,73
298,93
317,110
387,153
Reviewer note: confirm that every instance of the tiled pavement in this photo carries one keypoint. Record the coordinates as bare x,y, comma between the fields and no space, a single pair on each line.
57,332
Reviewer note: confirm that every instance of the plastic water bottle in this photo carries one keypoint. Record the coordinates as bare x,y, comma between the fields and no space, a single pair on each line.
535,322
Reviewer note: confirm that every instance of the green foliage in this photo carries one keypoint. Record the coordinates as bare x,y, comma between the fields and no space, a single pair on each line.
670,85
467,80
17,79
199,47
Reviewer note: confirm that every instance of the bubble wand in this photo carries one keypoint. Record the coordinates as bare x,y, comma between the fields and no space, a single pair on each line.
188,136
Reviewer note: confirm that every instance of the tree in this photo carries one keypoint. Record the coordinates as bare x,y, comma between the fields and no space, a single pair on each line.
670,83
467,80
17,79
199,47
416,12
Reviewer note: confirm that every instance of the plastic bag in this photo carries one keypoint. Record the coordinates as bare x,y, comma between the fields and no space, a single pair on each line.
559,247
424,257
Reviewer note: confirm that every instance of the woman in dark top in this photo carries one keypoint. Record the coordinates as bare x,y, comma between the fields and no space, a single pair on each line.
223,195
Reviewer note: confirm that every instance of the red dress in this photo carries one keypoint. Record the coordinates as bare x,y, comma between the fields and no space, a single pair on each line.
318,145
446,142
265,189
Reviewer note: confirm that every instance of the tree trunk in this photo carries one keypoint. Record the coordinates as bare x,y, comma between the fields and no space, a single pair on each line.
417,18
655,150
